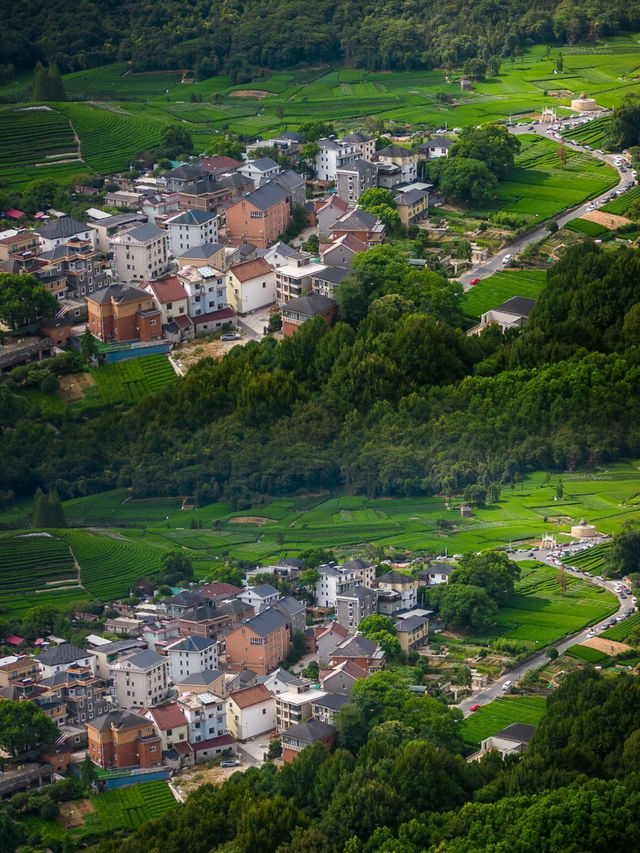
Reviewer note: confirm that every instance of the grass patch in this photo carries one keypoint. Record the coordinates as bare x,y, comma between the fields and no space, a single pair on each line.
499,714
497,288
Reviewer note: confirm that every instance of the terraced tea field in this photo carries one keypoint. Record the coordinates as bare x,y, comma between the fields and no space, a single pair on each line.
130,807
622,630
31,561
495,289
593,133
499,714
128,381
585,653
622,204
586,227
594,560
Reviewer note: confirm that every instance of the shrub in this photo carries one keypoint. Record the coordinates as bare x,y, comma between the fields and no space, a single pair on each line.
49,810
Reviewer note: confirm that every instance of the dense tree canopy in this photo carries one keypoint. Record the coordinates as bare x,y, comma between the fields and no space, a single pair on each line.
23,299
23,725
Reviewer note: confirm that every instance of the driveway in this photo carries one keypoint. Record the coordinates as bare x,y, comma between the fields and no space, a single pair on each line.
494,264
488,694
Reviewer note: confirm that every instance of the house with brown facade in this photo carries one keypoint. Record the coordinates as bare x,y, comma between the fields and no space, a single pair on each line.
259,644
365,653
123,313
365,227
299,737
122,739
258,217
297,311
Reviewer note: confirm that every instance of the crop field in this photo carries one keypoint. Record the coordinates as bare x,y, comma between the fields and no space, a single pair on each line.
586,227
117,81
622,204
29,562
586,653
128,381
594,560
110,137
495,289
499,714
130,807
540,187
592,134
622,630
114,508
33,143
109,564
538,612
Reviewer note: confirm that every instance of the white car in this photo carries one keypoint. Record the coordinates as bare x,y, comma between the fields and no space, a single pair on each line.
590,207
506,685
506,259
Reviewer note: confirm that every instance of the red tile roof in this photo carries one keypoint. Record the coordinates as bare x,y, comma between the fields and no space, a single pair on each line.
212,164
167,716
12,213
333,627
222,740
166,289
219,588
251,696
251,269
13,640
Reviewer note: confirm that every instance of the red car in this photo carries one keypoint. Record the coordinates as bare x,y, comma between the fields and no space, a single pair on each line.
475,707
473,281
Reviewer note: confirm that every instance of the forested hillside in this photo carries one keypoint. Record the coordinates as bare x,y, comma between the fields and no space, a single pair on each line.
394,400
237,35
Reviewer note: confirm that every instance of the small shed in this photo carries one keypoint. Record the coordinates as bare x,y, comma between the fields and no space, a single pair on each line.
466,511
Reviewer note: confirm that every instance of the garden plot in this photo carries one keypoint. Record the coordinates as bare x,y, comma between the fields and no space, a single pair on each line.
499,714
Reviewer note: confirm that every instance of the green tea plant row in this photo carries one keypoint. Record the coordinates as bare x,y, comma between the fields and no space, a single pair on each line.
594,560
128,808
28,136
586,653
128,381
592,133
620,205
587,227
109,566
28,563
622,630
109,139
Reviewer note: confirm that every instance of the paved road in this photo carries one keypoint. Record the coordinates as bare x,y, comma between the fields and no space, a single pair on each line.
495,263
488,694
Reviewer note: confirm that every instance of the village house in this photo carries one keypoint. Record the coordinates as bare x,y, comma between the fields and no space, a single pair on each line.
511,314
405,585
13,242
206,255
258,644
280,254
332,582
365,653
123,313
190,229
122,739
412,632
512,740
299,737
250,286
341,252
298,310
59,658
169,722
327,638
355,178
186,174
327,707
364,146
84,695
208,681
141,680
293,706
159,633
206,195
354,605
110,226
259,597
58,232
435,574
184,605
17,668
334,153
294,185
436,147
294,612
123,198
206,715
326,282
170,297
140,254
281,681
159,206
294,279
406,159
250,712
204,625
205,288
190,655
327,213
365,227
111,652
341,678
412,206
259,171
259,217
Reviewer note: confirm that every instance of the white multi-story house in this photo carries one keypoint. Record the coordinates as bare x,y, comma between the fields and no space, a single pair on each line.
363,145
259,597
140,254
251,712
250,286
332,582
334,153
294,279
190,229
60,658
206,715
206,289
190,655
294,706
141,680
355,178
58,232
259,170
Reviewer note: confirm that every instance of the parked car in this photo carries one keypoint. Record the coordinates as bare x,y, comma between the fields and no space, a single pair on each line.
229,762
506,259
506,685
473,281
475,707
230,336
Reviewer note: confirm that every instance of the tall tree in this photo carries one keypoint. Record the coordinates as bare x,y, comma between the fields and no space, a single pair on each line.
23,725
24,299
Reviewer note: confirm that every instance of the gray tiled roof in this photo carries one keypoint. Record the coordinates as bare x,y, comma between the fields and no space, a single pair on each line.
145,233
264,163
519,305
205,251
411,623
357,646
309,732
396,577
191,217
119,719
65,226
64,653
191,644
355,220
264,590
311,304
357,166
145,660
267,622
410,197
266,196
207,676
333,701
395,151
356,138
517,731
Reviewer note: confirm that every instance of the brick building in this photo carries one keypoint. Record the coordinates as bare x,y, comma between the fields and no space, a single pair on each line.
123,739
123,313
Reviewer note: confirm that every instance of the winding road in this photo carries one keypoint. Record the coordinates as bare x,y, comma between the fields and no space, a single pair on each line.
488,694
494,264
